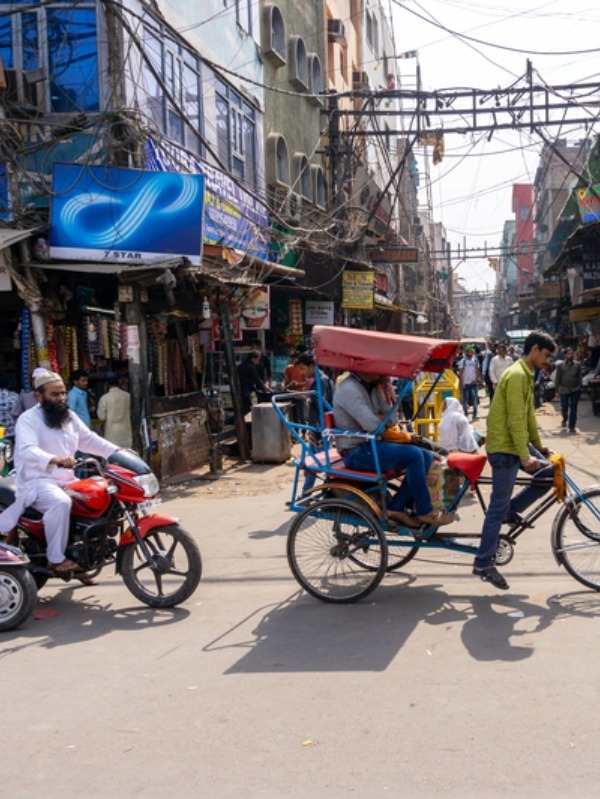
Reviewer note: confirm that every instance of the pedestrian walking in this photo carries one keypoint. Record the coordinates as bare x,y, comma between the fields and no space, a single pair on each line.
470,375
513,443
569,376
498,365
114,409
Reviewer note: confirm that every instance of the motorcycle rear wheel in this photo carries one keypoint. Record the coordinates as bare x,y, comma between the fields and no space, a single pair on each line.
163,583
18,596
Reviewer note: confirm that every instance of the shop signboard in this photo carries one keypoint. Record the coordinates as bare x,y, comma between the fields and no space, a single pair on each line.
232,216
318,312
590,273
358,289
588,203
127,216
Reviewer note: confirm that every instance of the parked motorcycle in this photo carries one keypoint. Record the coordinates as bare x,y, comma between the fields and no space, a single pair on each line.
158,560
18,593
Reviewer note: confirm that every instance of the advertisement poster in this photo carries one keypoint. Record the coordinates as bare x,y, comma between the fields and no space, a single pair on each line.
125,216
256,310
358,290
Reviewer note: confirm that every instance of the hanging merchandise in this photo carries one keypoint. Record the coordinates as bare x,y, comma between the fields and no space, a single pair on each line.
51,341
296,327
26,369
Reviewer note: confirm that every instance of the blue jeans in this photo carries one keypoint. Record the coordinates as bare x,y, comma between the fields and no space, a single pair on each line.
469,395
504,474
414,460
569,414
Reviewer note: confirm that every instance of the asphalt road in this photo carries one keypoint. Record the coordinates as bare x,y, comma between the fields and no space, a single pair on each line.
436,685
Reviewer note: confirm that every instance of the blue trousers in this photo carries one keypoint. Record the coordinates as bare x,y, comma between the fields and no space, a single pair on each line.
568,406
469,396
414,460
504,473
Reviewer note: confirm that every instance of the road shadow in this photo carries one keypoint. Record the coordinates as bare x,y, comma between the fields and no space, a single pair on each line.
80,615
302,634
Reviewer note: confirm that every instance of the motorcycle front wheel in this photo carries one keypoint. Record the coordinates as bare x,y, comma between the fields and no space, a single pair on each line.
18,596
171,571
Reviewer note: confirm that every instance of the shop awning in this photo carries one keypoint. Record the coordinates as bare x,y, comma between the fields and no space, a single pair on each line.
389,306
226,263
102,268
9,236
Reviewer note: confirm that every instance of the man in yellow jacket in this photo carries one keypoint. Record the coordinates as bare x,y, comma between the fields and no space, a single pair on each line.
513,443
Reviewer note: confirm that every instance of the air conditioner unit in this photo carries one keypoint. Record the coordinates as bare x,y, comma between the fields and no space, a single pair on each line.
360,81
336,31
295,207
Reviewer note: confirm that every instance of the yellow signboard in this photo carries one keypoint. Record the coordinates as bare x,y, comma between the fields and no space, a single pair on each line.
358,290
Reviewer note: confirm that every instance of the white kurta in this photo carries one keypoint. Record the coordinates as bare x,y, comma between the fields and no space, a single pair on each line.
39,483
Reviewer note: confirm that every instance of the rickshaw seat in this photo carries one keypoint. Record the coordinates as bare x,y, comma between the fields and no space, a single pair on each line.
318,463
470,464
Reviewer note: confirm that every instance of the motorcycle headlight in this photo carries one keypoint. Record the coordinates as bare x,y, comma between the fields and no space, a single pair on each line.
149,483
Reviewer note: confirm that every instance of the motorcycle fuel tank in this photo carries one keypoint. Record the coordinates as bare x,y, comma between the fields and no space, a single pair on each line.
89,496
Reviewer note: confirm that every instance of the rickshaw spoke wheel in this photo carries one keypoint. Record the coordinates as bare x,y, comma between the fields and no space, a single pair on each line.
576,538
329,544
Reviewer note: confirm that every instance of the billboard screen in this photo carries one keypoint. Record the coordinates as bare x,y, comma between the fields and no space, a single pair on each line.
127,216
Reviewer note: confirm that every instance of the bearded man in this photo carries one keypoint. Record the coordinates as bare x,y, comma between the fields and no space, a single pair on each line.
47,438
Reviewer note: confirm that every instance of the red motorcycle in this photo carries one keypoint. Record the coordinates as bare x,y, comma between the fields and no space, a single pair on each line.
18,593
158,560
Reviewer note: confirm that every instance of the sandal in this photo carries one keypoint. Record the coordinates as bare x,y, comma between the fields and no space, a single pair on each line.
490,574
436,518
403,518
65,567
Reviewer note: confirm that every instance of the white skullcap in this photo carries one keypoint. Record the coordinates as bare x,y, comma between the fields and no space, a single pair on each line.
46,377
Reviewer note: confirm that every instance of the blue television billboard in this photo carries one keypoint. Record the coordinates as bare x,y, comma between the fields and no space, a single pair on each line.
130,216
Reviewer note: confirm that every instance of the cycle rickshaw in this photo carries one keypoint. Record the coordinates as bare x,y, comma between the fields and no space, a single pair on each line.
341,543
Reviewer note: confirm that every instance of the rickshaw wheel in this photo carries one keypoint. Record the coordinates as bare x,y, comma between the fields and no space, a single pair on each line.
322,546
576,537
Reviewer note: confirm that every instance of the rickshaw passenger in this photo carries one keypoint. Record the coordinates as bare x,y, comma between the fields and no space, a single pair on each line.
359,405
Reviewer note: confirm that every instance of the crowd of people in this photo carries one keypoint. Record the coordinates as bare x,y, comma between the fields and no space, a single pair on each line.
113,410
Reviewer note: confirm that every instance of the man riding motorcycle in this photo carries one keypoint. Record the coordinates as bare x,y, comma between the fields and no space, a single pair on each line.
47,438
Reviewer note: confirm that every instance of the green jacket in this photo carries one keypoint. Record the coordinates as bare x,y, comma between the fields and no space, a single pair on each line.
511,423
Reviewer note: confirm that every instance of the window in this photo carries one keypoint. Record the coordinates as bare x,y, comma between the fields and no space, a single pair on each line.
236,133
243,14
319,189
277,160
524,213
60,40
301,176
315,78
273,34
179,71
298,63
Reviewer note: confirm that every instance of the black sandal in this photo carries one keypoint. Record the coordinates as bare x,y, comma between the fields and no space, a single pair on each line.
490,574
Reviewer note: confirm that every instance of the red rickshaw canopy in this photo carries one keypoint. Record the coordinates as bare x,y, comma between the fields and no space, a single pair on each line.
381,353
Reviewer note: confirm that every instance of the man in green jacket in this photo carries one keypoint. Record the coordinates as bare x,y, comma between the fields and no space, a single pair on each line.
513,442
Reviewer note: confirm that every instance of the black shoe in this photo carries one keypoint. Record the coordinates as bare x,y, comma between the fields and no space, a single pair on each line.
513,519
490,574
